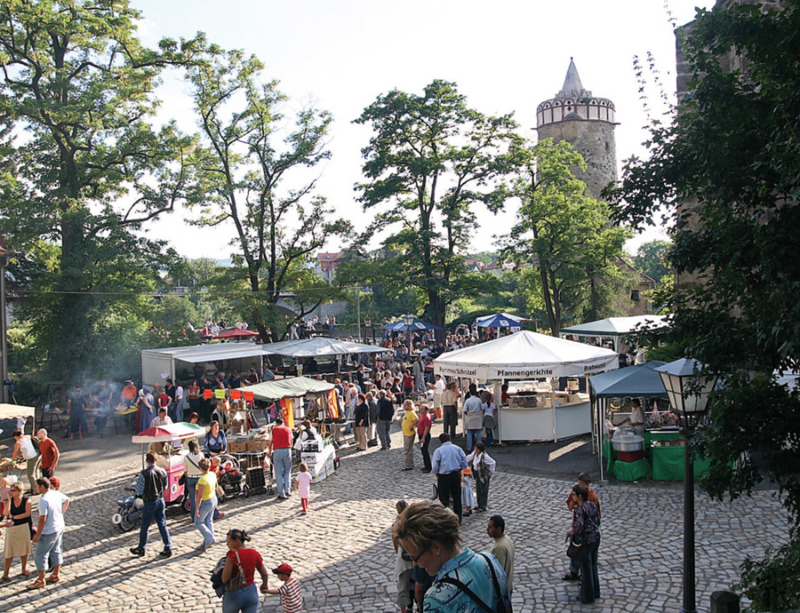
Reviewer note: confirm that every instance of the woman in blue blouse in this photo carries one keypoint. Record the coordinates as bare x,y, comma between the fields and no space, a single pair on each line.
429,533
216,443
586,523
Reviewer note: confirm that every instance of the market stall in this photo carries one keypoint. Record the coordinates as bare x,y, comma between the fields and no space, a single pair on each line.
538,410
13,411
613,329
186,363
327,357
302,398
658,452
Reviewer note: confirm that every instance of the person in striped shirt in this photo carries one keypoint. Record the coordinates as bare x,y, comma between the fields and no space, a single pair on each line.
291,596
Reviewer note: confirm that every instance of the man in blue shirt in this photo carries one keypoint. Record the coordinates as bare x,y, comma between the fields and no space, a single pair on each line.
448,462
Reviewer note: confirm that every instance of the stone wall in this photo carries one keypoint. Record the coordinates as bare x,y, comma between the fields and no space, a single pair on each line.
594,140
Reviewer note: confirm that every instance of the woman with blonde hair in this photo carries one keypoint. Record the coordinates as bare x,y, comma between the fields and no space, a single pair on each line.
463,579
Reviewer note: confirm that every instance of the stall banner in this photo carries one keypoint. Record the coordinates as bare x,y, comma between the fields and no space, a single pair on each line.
236,394
219,394
208,394
332,404
287,410
249,397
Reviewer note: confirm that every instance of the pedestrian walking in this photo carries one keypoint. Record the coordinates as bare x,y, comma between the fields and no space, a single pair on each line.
302,484
150,486
290,593
483,467
18,531
244,598
206,503
49,452
49,533
23,448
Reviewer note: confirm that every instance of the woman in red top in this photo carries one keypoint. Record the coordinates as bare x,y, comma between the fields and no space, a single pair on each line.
245,597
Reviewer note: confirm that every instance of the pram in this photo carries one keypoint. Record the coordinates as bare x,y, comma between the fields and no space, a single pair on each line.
230,480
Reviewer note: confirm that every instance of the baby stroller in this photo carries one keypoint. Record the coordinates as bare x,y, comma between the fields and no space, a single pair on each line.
230,480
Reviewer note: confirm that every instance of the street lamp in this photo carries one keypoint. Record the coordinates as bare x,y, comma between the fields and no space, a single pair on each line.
688,390
408,320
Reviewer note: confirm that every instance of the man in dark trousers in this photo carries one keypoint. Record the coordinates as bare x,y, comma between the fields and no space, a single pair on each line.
385,417
150,486
448,462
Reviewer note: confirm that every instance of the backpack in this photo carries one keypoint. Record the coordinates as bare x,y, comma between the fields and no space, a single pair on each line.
35,443
504,606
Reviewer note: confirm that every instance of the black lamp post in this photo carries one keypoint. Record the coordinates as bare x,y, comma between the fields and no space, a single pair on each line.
408,320
688,390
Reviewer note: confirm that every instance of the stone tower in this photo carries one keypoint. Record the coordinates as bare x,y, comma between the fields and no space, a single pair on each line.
585,121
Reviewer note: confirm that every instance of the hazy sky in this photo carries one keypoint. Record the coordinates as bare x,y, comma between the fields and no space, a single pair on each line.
507,55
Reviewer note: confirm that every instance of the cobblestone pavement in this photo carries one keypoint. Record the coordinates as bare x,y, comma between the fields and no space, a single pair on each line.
342,552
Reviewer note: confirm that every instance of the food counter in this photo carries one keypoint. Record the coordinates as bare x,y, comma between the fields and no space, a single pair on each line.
319,456
537,413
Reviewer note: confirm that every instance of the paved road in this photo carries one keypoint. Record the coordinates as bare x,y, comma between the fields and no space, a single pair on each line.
342,550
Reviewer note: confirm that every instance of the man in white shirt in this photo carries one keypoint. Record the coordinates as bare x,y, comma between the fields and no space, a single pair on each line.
438,389
162,419
49,533
178,402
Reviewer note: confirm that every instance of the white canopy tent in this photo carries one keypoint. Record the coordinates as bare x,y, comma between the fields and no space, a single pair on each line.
318,347
614,327
158,364
12,411
526,355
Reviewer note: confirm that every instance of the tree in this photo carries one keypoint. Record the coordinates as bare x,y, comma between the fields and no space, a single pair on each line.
430,160
89,172
564,234
651,259
244,172
728,171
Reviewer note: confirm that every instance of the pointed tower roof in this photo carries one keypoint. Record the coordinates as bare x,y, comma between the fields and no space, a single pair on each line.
573,88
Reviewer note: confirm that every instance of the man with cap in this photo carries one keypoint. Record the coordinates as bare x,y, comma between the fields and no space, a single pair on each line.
291,596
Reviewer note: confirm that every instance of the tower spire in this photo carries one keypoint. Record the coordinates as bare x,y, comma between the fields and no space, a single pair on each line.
572,88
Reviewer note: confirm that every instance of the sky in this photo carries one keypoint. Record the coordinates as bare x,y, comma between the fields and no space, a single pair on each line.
340,55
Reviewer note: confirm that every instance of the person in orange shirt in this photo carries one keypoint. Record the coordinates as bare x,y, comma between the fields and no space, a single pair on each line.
128,394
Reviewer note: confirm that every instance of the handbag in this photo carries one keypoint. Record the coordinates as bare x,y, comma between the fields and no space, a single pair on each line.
238,579
575,550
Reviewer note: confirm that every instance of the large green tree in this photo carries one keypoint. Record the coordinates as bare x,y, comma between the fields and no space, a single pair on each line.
88,168
430,161
728,170
247,178
565,235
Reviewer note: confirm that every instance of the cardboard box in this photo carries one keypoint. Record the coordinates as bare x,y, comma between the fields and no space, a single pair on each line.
237,446
258,444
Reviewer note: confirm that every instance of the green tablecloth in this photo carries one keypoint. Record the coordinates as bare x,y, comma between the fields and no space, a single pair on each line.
668,464
632,471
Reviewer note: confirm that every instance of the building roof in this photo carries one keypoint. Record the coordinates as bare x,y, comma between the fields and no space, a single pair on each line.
573,88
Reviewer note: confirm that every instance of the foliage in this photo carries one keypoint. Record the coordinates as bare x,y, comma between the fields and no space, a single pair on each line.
243,177
565,235
89,172
430,160
728,169
651,259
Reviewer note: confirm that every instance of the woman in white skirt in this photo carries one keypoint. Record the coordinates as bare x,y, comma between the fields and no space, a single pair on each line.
18,531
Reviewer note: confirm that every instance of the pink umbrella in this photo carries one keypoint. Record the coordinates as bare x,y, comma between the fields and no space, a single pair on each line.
237,333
